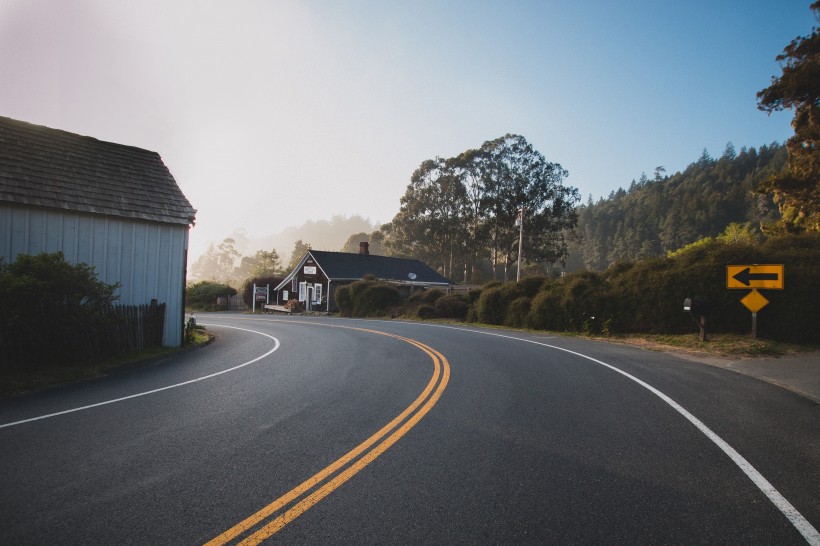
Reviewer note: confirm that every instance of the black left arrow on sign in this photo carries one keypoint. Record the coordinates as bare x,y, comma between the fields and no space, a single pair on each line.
746,276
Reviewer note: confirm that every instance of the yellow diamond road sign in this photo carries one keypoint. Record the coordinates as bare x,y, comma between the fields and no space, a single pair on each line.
754,276
754,301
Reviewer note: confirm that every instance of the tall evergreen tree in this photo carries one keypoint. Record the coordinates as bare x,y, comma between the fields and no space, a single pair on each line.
797,190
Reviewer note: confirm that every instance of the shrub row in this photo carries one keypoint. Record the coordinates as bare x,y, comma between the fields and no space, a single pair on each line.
640,297
647,296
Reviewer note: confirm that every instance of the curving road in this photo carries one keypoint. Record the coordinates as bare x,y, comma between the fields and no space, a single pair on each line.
333,431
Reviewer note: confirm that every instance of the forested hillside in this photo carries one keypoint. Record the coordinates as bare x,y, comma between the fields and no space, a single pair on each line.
663,214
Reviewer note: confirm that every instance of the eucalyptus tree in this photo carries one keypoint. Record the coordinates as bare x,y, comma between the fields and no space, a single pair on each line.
467,166
460,210
430,222
217,263
516,177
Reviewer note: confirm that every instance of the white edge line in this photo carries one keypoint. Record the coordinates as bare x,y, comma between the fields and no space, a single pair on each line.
794,516
73,410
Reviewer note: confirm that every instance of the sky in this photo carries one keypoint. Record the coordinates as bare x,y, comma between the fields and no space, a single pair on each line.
269,113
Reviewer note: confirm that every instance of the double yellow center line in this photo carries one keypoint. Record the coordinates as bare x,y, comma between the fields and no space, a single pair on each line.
273,517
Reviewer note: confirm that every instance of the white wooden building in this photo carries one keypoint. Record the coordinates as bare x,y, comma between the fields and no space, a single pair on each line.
114,207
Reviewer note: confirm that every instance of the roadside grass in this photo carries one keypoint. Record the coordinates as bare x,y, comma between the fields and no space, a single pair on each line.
719,345
724,345
14,382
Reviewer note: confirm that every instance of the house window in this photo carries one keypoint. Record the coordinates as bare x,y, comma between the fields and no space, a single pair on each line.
294,284
317,293
303,291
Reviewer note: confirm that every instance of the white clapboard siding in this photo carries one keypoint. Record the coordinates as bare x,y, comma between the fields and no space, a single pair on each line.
146,258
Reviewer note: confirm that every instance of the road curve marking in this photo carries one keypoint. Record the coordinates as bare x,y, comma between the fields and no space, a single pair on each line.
146,393
806,529
324,482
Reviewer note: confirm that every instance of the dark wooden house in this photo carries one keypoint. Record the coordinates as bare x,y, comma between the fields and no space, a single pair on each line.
319,273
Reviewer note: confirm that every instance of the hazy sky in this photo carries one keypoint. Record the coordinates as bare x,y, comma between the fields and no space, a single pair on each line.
269,113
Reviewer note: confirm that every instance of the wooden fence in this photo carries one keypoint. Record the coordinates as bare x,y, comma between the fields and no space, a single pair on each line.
71,336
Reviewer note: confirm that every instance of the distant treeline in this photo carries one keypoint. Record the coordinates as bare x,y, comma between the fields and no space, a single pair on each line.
663,214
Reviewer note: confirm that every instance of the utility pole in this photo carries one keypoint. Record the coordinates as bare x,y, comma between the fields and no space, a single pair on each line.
520,241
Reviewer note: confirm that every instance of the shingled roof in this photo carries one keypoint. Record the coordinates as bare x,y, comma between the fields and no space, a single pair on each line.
45,167
344,266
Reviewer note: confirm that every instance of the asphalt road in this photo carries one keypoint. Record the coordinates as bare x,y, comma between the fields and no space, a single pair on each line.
333,431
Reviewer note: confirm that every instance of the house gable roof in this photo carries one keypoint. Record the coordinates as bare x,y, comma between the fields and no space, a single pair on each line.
344,266
45,167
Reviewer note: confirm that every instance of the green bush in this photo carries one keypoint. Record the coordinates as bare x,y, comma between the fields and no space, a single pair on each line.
517,311
650,294
491,307
47,304
532,285
426,296
426,312
452,306
377,301
792,313
344,301
546,312
367,298
204,294
583,300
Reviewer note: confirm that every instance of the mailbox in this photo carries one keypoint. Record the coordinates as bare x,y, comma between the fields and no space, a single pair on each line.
696,306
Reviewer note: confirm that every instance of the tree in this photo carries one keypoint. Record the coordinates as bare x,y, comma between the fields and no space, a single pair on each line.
516,177
467,167
266,263
218,263
351,246
299,249
430,220
739,234
676,210
796,190
245,268
457,212
377,243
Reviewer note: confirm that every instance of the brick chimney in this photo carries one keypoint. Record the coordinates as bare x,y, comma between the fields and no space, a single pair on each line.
364,249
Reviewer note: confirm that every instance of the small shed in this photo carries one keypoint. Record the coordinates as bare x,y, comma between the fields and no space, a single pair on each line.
319,273
114,207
